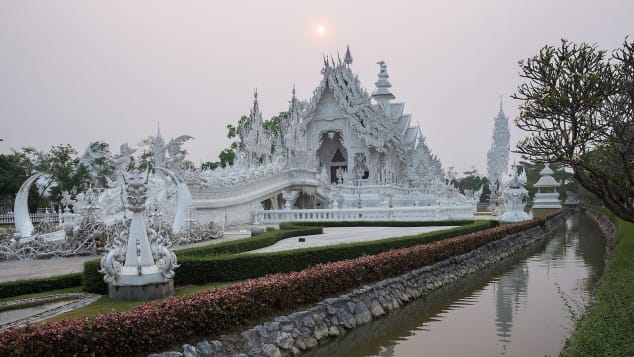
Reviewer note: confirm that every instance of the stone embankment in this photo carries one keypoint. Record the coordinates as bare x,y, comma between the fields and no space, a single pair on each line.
301,331
607,227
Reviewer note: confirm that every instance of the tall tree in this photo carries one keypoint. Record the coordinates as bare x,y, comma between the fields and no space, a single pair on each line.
62,164
577,105
227,155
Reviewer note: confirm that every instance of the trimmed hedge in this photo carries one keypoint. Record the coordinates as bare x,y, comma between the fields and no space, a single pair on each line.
197,268
32,286
157,325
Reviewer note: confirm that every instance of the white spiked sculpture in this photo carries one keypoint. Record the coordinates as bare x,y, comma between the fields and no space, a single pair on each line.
137,268
515,197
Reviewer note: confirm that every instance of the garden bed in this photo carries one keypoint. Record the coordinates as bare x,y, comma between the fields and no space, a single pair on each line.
155,325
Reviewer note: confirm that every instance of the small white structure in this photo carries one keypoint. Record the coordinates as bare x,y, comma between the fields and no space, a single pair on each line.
515,199
547,196
138,268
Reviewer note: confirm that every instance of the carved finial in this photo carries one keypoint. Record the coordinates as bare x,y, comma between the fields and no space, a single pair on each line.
293,100
383,84
338,58
348,58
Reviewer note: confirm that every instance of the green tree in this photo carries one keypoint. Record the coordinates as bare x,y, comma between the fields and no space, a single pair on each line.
12,175
62,164
228,155
577,106
474,183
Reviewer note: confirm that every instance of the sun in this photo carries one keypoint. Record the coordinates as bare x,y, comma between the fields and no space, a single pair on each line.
321,30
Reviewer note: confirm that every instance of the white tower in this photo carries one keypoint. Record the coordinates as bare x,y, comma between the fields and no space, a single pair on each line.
498,155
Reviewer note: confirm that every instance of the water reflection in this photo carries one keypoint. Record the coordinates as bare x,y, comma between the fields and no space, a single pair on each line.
500,312
8,316
510,293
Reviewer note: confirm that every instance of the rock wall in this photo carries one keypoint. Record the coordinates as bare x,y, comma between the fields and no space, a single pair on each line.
607,227
300,331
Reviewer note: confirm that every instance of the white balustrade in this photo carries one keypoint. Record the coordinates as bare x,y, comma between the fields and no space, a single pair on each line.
426,213
35,217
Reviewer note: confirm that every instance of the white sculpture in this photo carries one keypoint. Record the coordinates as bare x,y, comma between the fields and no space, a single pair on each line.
22,219
515,198
146,269
183,201
121,162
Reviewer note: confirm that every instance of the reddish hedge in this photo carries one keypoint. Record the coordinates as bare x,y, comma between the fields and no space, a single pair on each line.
156,325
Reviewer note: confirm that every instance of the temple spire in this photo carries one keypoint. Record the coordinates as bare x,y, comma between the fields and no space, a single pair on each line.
159,147
501,110
382,94
348,57
293,103
256,107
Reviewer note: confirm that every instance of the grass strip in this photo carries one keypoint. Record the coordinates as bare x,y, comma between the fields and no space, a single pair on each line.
606,328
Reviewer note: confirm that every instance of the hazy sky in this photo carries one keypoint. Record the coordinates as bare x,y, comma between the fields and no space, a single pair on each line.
79,71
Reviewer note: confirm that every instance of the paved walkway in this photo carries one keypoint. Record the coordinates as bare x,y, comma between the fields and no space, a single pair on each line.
340,235
41,268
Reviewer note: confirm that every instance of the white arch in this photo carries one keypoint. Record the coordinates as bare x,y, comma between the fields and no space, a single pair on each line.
23,224
183,200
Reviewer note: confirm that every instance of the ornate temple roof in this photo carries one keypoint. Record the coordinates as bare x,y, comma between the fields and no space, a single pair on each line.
380,125
546,180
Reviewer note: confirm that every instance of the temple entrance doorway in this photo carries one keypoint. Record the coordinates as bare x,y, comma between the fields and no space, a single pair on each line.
332,154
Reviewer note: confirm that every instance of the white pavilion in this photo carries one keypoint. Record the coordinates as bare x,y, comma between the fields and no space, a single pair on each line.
547,196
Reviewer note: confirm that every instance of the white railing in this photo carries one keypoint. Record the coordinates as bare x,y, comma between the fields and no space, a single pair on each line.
35,217
416,213
258,191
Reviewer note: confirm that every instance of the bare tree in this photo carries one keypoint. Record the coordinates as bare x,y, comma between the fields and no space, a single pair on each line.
576,104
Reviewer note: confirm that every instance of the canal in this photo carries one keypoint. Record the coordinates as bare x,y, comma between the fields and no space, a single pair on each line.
522,307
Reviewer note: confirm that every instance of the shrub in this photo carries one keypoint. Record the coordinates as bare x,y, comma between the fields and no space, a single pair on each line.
93,279
204,265
31,286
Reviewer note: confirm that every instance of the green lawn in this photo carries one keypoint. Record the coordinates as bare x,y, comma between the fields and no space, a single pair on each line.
607,328
105,304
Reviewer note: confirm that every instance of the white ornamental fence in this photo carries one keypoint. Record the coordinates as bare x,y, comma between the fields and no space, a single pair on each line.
415,213
35,217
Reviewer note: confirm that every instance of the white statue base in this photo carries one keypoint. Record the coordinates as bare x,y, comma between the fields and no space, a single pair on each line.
142,292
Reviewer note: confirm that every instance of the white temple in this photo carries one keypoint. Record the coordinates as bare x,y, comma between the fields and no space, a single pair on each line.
342,149
343,154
